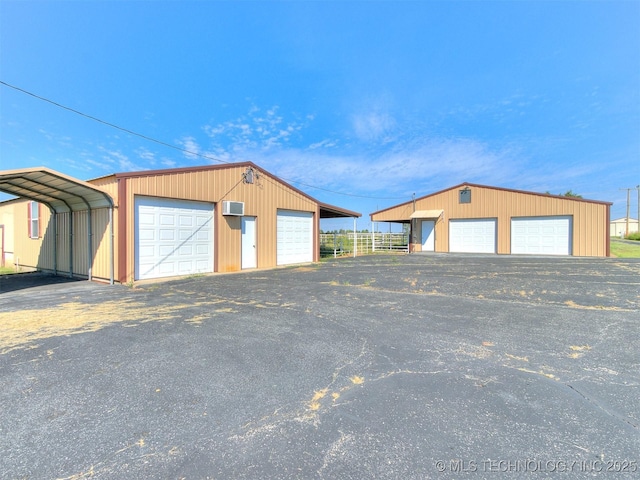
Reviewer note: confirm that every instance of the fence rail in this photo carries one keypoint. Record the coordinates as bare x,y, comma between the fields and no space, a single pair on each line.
336,244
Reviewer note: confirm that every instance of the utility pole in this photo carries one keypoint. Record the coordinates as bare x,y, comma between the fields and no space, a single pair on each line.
626,234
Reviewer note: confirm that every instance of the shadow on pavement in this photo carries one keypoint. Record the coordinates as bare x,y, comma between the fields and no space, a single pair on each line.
20,281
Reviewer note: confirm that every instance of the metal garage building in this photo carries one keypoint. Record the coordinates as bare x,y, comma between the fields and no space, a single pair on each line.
482,219
161,223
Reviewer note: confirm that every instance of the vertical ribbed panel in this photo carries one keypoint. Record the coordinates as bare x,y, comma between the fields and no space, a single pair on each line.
262,199
589,218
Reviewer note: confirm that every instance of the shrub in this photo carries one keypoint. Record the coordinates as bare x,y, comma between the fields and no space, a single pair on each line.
633,236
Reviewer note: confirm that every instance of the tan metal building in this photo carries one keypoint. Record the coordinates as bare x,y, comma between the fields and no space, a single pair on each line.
161,223
482,219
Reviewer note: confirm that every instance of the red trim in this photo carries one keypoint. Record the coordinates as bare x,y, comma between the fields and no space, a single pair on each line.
216,214
607,237
465,184
205,168
316,236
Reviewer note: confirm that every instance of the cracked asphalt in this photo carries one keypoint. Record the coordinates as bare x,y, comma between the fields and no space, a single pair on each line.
401,366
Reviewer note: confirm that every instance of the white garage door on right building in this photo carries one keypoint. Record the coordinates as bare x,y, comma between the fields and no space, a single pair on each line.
541,235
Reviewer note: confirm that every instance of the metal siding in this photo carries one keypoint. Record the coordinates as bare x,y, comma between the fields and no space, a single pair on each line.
102,244
589,218
32,253
262,200
80,238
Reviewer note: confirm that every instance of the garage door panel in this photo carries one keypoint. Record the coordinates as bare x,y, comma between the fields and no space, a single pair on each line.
472,235
541,235
173,237
294,237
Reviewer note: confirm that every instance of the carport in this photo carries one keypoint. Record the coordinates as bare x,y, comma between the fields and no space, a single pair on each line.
62,194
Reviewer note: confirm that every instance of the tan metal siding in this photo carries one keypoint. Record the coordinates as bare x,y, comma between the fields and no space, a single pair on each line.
101,244
39,253
28,251
262,200
589,218
102,235
7,216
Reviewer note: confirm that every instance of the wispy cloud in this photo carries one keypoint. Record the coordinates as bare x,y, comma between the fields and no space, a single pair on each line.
119,160
373,126
257,130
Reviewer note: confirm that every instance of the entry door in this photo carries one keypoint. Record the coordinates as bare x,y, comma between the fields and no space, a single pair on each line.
249,257
428,236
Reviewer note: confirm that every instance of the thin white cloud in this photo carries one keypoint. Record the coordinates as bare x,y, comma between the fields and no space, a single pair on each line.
118,160
256,130
145,154
191,147
373,126
323,144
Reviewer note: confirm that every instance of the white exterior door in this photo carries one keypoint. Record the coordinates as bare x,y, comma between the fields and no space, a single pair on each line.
249,257
541,235
472,235
294,237
428,236
172,237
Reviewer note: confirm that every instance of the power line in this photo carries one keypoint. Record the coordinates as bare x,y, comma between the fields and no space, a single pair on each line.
112,125
175,147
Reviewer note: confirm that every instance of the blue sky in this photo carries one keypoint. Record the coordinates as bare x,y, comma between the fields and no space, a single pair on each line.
359,104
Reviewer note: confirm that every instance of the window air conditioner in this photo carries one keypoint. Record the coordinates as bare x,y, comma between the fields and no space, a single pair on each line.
233,208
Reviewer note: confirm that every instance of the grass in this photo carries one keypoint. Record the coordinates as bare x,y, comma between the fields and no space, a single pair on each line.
6,270
624,249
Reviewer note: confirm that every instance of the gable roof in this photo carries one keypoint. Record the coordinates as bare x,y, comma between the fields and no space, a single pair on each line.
326,210
467,184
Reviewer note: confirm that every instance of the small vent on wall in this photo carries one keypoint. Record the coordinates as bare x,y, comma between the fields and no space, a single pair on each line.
233,208
465,195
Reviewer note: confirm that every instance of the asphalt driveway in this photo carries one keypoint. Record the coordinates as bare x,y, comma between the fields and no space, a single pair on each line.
416,366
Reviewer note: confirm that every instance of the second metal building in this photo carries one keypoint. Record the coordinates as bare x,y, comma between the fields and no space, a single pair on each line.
482,219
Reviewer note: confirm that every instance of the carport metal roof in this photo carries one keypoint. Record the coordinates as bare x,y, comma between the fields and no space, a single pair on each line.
330,211
62,194
59,192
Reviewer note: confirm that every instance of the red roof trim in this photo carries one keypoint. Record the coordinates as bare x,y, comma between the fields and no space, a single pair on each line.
206,168
466,184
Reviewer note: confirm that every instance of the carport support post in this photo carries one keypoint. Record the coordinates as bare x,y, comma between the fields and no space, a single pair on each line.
89,242
70,243
373,236
55,241
111,253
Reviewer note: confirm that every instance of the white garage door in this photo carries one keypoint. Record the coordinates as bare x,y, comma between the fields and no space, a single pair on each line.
295,237
172,237
472,236
541,235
